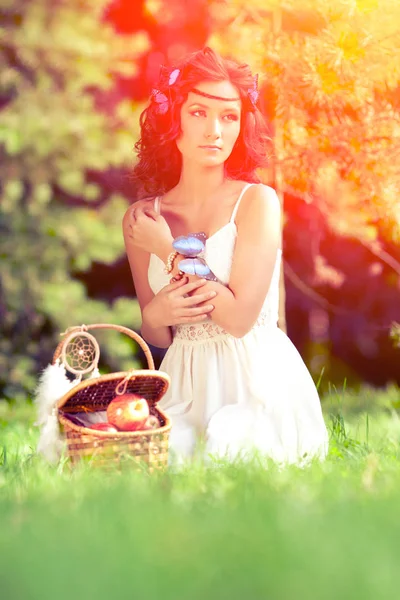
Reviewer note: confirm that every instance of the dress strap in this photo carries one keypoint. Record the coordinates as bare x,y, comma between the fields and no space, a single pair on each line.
157,204
235,208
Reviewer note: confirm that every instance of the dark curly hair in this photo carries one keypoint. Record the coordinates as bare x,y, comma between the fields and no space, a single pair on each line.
159,165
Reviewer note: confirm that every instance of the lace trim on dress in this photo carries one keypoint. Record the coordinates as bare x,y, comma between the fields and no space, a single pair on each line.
209,330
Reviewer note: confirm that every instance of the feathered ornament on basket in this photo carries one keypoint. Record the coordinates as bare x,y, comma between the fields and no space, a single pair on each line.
70,412
79,356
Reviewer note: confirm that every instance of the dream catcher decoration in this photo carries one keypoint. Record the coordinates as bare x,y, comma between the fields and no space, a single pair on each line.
80,356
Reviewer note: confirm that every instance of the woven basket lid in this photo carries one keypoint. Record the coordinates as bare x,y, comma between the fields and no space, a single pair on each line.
97,393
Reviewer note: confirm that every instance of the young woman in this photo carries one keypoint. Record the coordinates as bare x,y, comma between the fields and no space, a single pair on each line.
237,382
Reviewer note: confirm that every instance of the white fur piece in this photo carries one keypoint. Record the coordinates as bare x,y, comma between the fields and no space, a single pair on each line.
96,373
53,384
50,443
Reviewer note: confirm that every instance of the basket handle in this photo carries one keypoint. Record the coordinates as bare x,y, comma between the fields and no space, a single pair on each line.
120,328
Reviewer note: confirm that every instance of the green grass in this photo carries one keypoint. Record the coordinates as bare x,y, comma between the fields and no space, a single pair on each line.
330,531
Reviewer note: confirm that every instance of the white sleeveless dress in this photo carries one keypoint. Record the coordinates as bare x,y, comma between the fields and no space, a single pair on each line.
238,394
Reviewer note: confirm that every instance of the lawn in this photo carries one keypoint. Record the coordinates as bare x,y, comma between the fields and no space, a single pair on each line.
328,531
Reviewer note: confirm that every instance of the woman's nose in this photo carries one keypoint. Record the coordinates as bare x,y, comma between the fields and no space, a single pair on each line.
214,129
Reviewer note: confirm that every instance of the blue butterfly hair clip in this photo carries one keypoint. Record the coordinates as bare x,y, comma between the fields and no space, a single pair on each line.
253,92
173,76
161,98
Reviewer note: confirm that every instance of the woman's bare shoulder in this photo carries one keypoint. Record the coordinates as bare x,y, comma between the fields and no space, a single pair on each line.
143,203
261,194
260,204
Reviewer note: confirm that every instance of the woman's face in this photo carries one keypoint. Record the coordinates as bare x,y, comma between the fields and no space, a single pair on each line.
209,127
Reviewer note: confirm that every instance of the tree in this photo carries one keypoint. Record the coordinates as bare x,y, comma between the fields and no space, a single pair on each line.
330,82
59,131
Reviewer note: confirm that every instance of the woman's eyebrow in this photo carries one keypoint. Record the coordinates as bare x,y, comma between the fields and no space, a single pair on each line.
224,109
199,104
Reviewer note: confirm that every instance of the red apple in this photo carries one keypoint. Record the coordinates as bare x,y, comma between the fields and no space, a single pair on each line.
104,427
152,422
128,412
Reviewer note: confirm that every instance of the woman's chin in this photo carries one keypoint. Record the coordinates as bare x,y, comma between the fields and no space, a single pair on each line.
212,161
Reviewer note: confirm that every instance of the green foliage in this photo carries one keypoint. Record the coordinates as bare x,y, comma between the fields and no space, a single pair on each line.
331,79
57,60
395,334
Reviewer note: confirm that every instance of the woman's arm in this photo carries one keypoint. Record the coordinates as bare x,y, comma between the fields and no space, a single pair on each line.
259,233
160,337
173,305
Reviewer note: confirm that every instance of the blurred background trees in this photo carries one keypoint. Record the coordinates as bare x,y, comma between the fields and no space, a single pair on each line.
331,91
74,77
65,145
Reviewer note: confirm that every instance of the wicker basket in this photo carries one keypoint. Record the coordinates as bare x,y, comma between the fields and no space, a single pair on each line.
145,448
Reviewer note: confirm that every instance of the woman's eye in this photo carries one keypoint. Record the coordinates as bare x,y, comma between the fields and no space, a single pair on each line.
202,113
231,117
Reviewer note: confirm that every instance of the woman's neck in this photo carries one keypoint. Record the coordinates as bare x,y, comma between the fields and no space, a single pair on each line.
196,185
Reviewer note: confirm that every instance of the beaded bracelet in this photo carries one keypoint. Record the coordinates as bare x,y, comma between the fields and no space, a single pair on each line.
169,265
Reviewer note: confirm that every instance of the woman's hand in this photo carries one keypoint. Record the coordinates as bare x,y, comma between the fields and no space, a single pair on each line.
148,230
174,306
